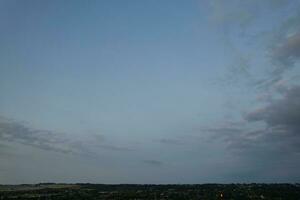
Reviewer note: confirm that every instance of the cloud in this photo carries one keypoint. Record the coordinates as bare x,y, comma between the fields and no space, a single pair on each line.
284,54
274,126
239,22
153,162
283,49
279,126
17,132
12,131
288,51
266,58
233,135
261,150
281,114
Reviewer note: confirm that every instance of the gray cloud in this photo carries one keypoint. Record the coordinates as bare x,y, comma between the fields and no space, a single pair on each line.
278,129
234,136
12,131
288,51
281,114
283,49
269,136
263,151
17,132
285,52
282,42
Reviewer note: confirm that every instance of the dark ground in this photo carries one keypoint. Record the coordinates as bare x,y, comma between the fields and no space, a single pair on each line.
156,192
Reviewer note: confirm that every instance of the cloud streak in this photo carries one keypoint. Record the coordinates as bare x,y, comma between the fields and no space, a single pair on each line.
12,131
17,132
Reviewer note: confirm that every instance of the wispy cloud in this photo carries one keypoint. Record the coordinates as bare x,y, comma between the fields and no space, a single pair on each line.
283,48
13,131
18,132
277,44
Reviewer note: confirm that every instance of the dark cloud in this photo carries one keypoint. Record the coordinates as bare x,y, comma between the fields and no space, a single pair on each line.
17,132
282,114
153,162
278,129
263,151
12,131
288,51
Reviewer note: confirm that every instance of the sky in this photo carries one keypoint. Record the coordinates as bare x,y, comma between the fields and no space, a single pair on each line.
149,91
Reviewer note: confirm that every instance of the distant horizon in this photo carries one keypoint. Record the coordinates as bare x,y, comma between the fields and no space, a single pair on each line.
236,183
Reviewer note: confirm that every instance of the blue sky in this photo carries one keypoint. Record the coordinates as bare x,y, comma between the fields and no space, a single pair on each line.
149,91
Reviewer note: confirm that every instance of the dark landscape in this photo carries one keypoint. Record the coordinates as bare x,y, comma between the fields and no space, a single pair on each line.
147,192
